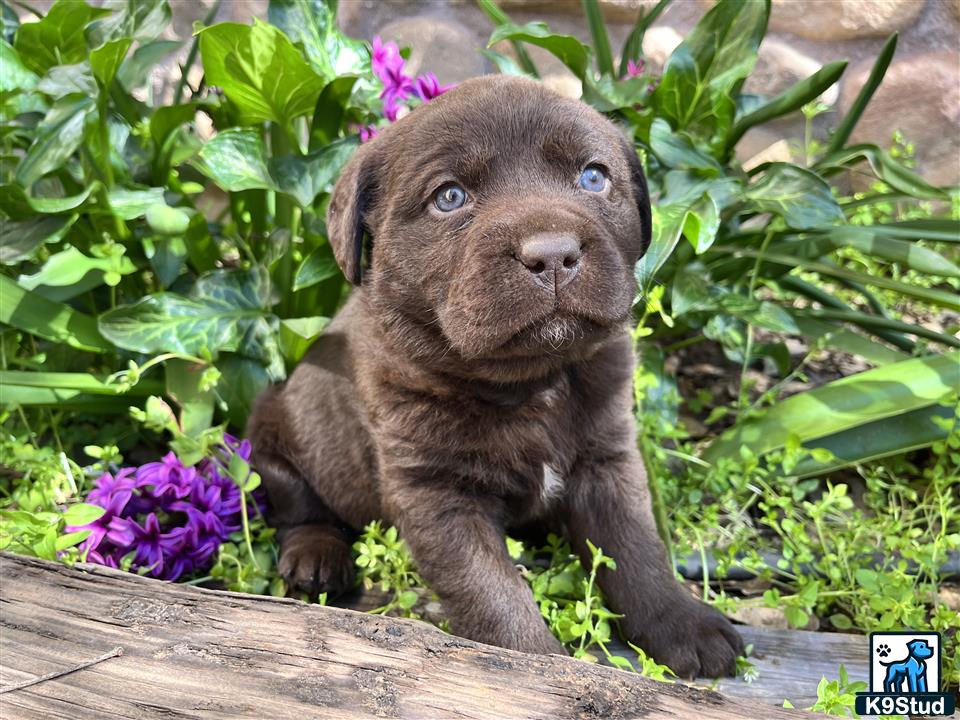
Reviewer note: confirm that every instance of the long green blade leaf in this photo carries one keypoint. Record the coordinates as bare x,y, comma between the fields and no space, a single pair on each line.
852,117
850,402
499,17
598,34
633,47
44,318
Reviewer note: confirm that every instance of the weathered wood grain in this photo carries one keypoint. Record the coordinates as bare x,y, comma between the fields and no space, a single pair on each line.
789,663
195,653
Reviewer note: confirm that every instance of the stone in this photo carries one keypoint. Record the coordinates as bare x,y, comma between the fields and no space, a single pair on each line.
443,47
827,20
613,10
780,66
761,616
658,43
920,96
955,5
564,84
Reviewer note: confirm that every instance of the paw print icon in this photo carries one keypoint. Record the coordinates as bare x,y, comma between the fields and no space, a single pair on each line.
883,650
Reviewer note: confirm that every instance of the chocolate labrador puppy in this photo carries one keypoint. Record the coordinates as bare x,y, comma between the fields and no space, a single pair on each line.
480,377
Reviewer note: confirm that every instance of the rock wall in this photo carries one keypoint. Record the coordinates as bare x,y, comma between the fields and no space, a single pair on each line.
920,95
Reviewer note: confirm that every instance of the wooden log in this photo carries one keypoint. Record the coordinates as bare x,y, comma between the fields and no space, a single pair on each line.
195,653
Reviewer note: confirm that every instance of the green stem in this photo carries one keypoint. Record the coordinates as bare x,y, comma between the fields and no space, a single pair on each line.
192,55
748,349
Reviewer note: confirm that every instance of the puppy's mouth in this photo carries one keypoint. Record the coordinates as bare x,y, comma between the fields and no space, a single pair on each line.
553,334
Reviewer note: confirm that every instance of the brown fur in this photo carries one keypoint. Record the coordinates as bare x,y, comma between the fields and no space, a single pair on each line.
451,389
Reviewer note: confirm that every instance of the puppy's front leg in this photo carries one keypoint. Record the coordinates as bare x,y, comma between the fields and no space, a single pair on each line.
608,503
459,548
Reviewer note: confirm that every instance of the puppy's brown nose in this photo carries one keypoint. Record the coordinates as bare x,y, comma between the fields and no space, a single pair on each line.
552,259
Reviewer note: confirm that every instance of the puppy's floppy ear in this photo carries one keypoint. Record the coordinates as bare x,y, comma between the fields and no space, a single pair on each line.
640,193
346,222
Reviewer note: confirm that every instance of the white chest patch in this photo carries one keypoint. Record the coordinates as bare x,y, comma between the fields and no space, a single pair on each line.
552,486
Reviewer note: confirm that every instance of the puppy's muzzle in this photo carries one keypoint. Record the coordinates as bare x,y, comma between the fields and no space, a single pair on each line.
552,259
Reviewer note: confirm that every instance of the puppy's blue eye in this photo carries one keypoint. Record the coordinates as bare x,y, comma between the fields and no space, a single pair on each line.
593,179
450,197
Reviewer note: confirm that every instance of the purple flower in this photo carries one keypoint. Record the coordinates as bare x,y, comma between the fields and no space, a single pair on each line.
171,518
110,487
387,64
636,68
367,132
428,87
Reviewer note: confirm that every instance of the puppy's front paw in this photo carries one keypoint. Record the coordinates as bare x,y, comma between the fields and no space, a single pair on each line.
693,640
315,559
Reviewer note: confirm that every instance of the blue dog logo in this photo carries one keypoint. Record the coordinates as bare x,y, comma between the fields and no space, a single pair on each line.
912,669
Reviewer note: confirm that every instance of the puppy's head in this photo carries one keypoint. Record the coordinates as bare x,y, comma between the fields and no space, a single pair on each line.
501,217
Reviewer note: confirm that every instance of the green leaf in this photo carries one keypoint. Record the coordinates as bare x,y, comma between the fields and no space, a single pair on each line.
131,204
139,20
83,382
35,314
305,177
313,23
837,336
298,334
68,540
67,80
105,61
907,254
702,223
499,17
316,267
21,239
599,37
227,311
70,266
57,138
235,159
168,118
329,112
505,65
166,220
876,324
852,117
633,46
15,75
570,51
242,381
894,435
57,39
847,403
668,224
677,150
260,70
704,74
791,99
799,196
184,381
884,167
135,71
18,205
82,514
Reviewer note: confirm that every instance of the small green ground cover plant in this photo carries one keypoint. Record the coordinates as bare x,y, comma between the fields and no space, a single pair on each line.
164,258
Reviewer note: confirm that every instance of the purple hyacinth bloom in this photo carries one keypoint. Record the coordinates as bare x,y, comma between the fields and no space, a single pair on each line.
100,528
428,87
109,487
636,68
367,132
169,478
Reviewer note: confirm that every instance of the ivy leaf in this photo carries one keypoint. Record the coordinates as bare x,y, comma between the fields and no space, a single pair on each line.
260,70
21,239
68,79
313,23
58,137
139,20
705,72
18,205
676,150
69,267
58,38
135,70
15,75
131,204
316,267
235,160
799,196
567,49
305,177
82,514
227,311
106,60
